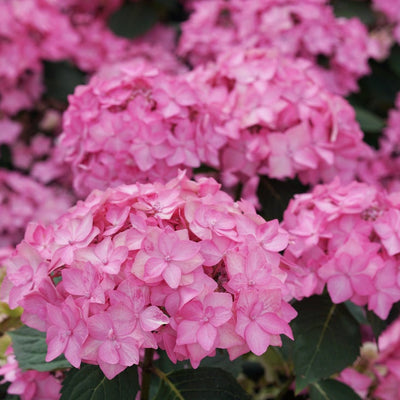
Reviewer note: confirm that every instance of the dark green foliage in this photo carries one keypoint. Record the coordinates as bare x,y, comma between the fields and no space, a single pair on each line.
89,383
332,390
30,350
327,339
60,79
200,384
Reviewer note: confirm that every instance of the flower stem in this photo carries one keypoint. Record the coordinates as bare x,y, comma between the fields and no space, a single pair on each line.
146,374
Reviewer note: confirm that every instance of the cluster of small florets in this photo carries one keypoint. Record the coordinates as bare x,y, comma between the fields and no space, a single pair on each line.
380,167
347,238
387,363
391,10
22,199
20,67
376,372
305,29
30,384
178,266
134,123
282,122
30,32
253,112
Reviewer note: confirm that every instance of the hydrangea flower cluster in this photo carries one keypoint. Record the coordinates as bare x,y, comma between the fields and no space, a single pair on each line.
381,168
31,384
376,373
346,237
22,200
30,32
178,266
305,29
388,363
282,122
20,67
134,123
391,10
272,118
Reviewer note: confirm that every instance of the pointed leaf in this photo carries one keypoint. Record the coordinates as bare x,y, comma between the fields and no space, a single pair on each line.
352,8
220,360
133,19
61,78
369,122
199,384
332,390
358,313
89,383
326,339
30,350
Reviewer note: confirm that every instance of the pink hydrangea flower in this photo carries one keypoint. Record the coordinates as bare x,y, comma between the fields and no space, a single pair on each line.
22,200
381,167
281,121
390,8
309,30
135,271
29,385
139,125
344,236
34,30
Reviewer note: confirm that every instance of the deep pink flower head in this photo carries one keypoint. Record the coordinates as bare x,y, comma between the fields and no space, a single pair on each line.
22,200
382,167
391,10
347,237
132,123
281,121
29,385
34,30
178,266
20,66
308,29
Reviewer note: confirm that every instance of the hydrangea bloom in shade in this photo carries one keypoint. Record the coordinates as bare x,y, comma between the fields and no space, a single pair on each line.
347,237
382,167
20,67
29,385
34,30
178,266
305,29
376,373
391,10
282,123
22,200
132,123
388,363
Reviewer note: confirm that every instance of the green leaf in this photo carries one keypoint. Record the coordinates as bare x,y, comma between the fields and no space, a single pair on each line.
134,19
331,389
89,383
61,79
274,195
378,325
30,350
199,384
220,360
351,8
357,312
394,60
369,122
326,339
